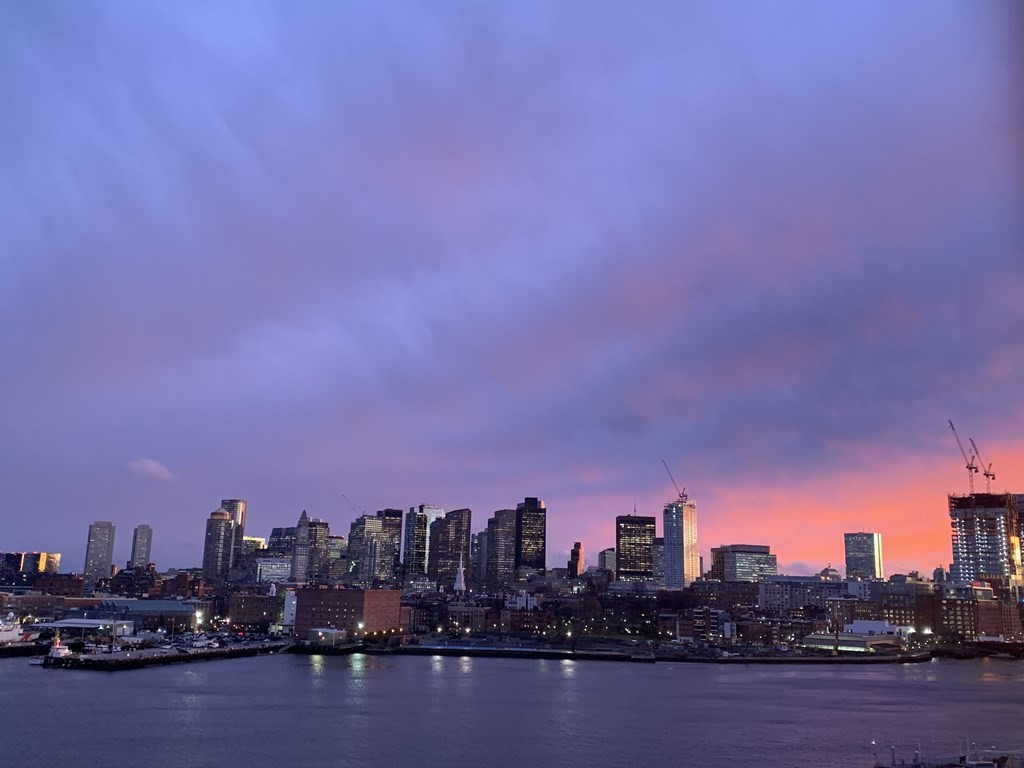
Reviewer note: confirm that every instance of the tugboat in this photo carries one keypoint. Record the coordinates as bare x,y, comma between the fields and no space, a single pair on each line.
58,651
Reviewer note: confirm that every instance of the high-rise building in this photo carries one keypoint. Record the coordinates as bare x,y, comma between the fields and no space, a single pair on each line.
371,550
863,555
986,534
634,542
576,566
281,542
531,534
319,552
449,546
658,561
142,543
99,552
742,562
391,542
217,547
235,508
417,539
606,559
500,549
300,552
682,555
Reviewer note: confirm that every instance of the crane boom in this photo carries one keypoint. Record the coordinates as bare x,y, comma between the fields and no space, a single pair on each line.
349,502
968,462
986,469
682,493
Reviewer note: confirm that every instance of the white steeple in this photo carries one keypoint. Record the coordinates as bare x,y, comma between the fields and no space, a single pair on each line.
460,578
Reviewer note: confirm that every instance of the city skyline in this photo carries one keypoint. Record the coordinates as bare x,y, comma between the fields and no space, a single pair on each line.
461,255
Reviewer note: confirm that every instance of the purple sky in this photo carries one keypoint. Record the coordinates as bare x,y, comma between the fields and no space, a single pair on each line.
463,253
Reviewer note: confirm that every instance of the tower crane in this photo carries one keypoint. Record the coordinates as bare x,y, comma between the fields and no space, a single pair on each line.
682,493
985,469
349,502
968,462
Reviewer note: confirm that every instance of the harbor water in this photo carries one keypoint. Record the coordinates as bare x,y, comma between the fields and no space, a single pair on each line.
293,710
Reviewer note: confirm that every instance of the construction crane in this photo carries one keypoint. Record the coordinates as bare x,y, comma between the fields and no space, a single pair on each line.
986,469
349,502
968,462
682,493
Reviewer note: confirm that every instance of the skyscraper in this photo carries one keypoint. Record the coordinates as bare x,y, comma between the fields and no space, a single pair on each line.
417,539
986,537
863,555
391,543
319,553
500,549
682,555
634,543
449,546
300,552
235,508
217,547
576,566
742,562
606,559
531,534
142,541
99,552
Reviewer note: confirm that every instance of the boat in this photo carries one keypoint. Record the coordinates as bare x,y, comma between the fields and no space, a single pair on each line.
10,630
57,650
37,661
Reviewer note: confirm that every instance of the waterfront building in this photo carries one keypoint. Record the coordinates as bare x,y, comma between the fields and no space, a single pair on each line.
300,550
99,552
576,565
783,595
235,508
416,546
449,546
255,613
500,549
357,611
863,555
606,559
682,554
142,543
986,533
531,534
634,540
742,562
217,546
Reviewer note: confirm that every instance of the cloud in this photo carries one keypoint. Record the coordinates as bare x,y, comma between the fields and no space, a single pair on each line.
150,468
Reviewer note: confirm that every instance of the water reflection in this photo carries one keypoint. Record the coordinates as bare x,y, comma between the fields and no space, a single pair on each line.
316,669
465,664
568,669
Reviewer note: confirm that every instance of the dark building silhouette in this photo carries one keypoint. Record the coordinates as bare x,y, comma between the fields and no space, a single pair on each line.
217,547
500,549
576,566
449,546
634,548
531,534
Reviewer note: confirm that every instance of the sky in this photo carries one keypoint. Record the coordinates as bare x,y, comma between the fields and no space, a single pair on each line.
463,253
